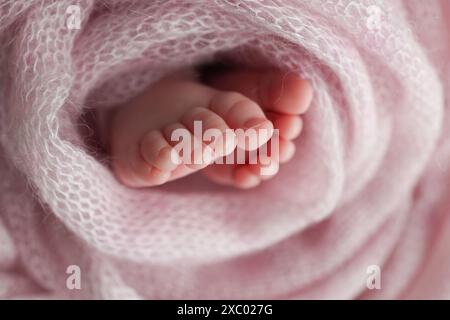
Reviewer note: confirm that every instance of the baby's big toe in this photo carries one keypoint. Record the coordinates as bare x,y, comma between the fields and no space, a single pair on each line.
157,152
286,93
274,90
133,171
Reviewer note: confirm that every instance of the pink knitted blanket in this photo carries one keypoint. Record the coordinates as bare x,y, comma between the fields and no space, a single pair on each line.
362,211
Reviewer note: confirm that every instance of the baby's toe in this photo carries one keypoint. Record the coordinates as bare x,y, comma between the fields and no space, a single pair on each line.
221,174
134,171
245,178
286,150
193,153
157,152
274,90
214,132
286,93
241,113
157,177
240,176
264,171
289,126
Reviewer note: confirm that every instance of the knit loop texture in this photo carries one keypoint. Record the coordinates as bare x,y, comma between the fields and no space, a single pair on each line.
368,186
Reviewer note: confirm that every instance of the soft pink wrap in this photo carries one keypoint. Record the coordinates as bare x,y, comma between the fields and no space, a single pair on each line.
369,184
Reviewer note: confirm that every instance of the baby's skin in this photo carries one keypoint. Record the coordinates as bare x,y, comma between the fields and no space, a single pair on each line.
141,133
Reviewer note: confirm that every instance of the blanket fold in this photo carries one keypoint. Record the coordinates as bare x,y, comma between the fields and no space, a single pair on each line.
369,184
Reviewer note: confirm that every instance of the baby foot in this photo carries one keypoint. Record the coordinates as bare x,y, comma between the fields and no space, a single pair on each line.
284,97
141,138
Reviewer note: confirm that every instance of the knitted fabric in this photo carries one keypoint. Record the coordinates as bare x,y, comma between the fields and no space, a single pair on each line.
369,184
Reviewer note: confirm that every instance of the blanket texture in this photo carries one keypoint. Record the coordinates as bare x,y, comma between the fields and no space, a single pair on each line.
369,184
